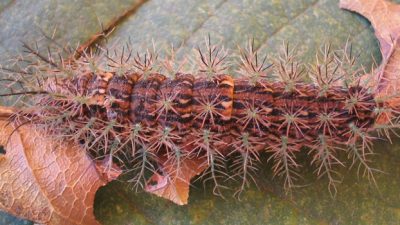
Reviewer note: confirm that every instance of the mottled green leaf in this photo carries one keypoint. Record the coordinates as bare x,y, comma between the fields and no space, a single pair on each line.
71,22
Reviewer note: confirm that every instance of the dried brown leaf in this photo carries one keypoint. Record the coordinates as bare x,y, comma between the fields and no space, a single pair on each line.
43,181
384,17
174,184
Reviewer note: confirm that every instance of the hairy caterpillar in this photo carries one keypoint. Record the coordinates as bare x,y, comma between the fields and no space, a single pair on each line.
133,114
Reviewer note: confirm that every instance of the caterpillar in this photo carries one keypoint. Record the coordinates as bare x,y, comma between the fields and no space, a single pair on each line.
141,113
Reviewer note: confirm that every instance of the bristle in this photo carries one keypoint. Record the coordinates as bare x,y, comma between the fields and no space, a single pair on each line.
283,156
205,145
165,104
288,68
142,163
146,62
127,112
173,164
360,150
327,122
252,67
245,159
171,65
325,72
324,156
212,60
294,122
254,117
207,111
163,139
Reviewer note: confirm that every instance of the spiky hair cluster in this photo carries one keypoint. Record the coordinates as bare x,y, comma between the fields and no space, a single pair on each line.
146,114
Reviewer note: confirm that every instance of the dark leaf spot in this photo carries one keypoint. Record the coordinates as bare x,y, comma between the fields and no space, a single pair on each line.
2,150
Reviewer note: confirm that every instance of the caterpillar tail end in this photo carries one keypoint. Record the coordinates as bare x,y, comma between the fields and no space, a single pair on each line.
388,86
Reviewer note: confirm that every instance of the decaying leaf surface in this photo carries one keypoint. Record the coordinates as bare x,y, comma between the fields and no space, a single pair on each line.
175,184
43,181
385,18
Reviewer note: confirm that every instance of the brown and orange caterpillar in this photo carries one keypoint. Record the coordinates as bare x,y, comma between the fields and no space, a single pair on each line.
138,117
